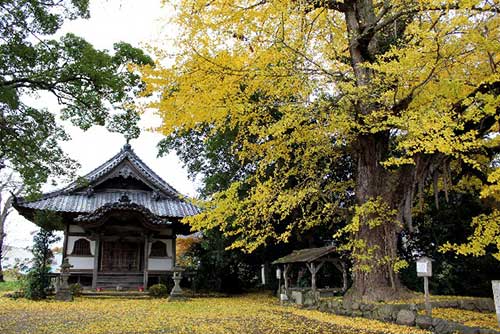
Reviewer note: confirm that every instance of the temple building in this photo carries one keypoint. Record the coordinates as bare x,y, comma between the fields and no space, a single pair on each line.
120,223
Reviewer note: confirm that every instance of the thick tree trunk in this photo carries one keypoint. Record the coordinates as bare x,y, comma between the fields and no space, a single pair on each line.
376,246
373,276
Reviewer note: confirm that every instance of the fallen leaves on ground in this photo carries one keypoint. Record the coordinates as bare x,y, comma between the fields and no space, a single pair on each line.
243,314
468,318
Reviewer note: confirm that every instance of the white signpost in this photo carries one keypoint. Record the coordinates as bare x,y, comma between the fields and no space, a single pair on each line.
424,269
496,296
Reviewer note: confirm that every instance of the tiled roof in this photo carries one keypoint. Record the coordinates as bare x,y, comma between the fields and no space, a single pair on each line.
97,216
163,200
85,204
126,153
306,255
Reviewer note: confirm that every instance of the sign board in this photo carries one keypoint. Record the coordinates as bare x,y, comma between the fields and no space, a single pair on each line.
424,267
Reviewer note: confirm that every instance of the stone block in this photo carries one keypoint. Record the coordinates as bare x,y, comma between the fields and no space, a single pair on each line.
64,295
298,297
442,326
357,313
367,307
308,299
383,312
469,330
423,321
406,317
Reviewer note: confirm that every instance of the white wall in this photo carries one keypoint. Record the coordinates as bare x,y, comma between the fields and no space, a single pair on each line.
81,262
160,264
164,263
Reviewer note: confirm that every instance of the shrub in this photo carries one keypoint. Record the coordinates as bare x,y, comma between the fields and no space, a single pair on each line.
158,291
76,289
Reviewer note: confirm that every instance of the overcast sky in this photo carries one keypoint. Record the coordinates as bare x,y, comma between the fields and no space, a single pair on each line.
139,23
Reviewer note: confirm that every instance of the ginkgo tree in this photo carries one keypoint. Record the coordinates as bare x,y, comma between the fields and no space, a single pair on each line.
406,89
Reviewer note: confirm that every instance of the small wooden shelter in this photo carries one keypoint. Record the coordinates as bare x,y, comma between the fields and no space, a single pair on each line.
314,259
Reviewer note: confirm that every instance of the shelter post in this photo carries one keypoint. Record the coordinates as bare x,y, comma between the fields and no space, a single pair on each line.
314,270
285,276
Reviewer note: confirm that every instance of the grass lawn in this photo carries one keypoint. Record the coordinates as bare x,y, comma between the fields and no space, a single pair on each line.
243,314
9,286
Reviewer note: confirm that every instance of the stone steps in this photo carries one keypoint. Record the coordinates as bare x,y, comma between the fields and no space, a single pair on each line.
127,282
116,294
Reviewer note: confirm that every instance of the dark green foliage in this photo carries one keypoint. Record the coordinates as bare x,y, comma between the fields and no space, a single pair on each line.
213,157
76,289
158,291
210,156
37,282
452,274
219,269
86,82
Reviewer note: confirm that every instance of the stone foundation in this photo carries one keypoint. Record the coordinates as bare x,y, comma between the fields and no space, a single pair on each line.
407,314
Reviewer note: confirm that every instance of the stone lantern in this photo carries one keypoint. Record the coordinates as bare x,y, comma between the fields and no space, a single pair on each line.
177,293
64,293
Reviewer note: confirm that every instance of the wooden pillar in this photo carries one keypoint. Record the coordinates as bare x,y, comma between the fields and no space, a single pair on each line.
96,261
174,250
146,258
65,242
285,276
342,267
428,307
314,270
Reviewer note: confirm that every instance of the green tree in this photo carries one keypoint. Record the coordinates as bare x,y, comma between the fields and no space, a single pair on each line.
449,222
405,86
37,281
87,83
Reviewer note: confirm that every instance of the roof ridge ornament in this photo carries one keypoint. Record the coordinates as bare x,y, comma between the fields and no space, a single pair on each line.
157,195
124,198
127,146
90,191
